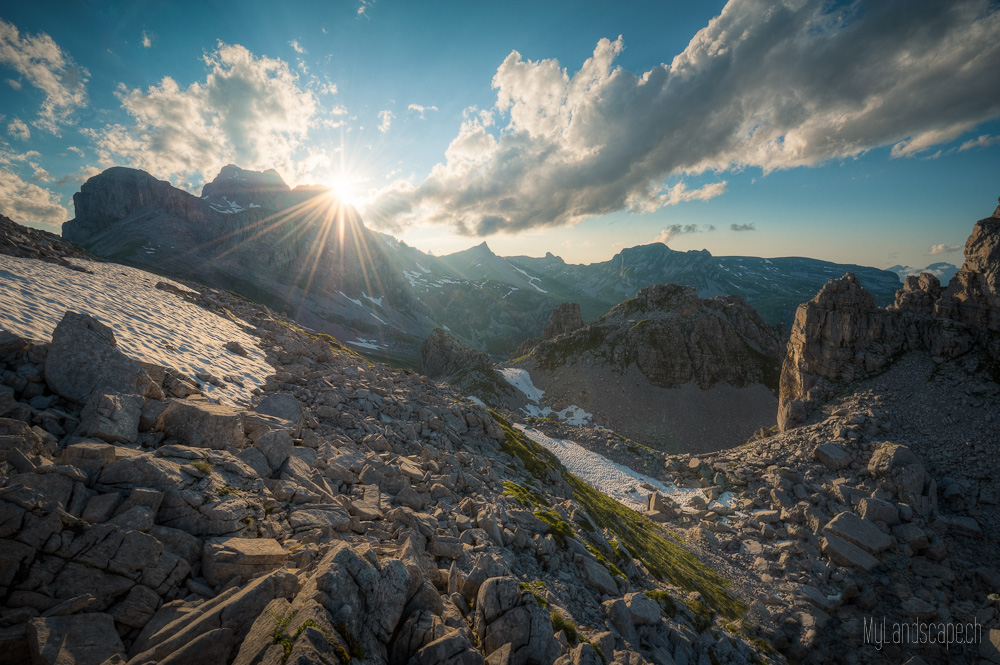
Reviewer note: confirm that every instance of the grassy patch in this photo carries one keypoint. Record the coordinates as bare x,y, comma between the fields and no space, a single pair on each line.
558,527
524,496
559,622
665,600
603,560
535,589
703,615
657,548
202,465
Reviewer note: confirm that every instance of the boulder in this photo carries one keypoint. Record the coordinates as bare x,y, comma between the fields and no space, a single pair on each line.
245,558
79,639
861,532
645,611
84,357
843,553
202,424
111,416
507,616
833,455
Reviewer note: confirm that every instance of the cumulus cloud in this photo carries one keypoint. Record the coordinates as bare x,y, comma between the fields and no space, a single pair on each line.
385,120
26,202
147,41
421,110
739,228
296,46
771,85
942,248
43,64
18,129
983,141
249,111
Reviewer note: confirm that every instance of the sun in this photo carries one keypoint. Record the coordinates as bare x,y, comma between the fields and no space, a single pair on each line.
344,188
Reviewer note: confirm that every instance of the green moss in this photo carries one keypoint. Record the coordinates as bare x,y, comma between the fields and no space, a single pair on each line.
535,459
226,490
558,527
703,615
534,588
658,549
524,496
356,649
603,560
559,622
665,600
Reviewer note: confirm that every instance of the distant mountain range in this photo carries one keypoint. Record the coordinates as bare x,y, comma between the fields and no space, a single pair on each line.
300,251
943,271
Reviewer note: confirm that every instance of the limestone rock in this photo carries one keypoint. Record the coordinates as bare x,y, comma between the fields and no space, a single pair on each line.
507,616
80,639
112,416
861,532
564,319
84,357
203,424
245,558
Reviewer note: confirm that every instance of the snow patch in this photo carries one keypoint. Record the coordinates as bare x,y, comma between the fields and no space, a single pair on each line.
619,482
149,324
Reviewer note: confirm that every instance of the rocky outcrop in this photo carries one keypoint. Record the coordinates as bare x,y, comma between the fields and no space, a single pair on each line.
841,336
564,319
444,357
673,338
25,242
666,368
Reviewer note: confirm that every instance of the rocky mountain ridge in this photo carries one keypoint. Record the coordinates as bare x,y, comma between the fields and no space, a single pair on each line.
841,335
301,253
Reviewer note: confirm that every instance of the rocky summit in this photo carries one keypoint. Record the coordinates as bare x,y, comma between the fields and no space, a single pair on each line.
307,256
663,368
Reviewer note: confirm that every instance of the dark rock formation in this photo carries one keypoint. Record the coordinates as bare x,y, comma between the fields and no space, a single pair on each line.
674,337
28,243
841,336
444,357
564,319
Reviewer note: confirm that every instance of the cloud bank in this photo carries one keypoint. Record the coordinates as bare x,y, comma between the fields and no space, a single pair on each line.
46,67
248,111
771,85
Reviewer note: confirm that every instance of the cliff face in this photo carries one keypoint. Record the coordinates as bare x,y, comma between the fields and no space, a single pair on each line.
841,336
298,251
666,368
674,337
564,319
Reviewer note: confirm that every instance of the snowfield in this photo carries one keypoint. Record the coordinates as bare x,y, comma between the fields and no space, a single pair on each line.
520,379
619,482
150,324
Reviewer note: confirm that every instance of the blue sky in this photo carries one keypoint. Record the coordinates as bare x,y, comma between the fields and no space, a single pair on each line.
865,132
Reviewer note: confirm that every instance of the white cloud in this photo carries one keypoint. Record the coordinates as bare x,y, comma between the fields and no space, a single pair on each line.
44,65
421,110
147,41
76,150
26,202
669,233
249,111
942,248
983,141
18,129
363,7
771,85
295,45
385,120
